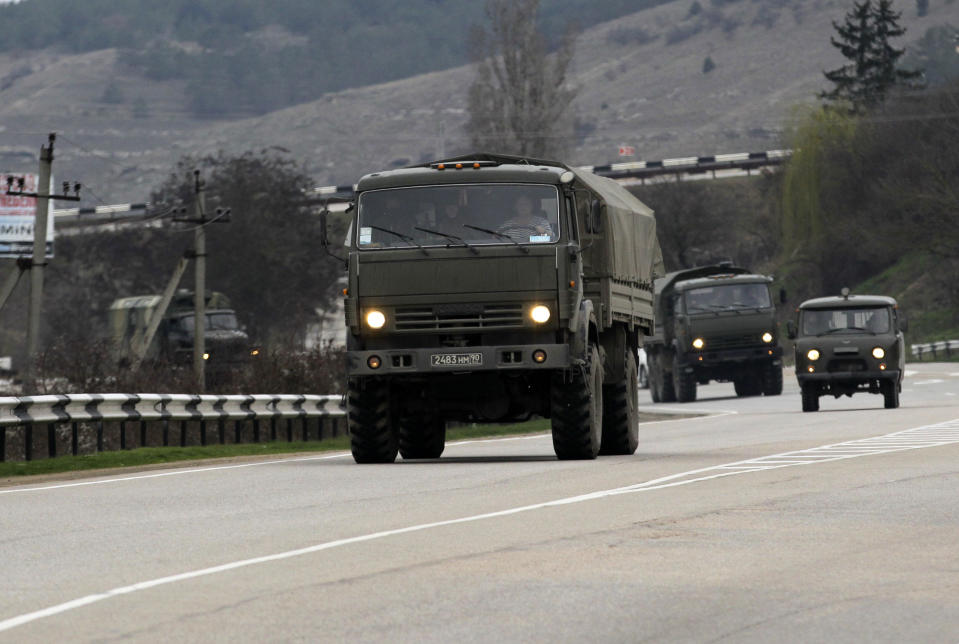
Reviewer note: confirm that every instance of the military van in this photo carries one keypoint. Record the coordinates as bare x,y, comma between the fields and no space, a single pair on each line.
718,323
849,344
225,341
492,288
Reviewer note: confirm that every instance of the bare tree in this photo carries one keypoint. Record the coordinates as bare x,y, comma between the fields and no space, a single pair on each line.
519,102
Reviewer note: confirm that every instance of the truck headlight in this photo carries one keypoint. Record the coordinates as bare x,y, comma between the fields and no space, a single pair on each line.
878,353
539,314
699,343
375,319
813,354
767,337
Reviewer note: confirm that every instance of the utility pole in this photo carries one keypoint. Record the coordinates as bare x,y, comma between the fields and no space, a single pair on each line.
199,284
199,296
43,196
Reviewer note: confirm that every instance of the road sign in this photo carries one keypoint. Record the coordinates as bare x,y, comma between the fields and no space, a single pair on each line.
627,151
16,218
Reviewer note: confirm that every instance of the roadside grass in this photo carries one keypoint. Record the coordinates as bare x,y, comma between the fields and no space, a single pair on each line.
159,456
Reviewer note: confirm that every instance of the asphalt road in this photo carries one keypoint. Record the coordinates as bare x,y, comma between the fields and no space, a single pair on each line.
755,523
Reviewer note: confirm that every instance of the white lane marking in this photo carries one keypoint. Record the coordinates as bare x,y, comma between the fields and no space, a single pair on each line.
910,372
212,468
935,381
949,393
926,436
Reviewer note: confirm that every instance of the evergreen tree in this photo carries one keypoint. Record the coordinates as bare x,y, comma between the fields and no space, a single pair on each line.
864,40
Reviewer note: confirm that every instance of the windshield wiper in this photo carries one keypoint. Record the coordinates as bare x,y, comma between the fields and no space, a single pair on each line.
448,236
846,328
500,235
405,238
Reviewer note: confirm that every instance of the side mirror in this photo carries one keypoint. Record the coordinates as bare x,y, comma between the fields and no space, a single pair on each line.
324,235
594,222
782,296
790,329
903,322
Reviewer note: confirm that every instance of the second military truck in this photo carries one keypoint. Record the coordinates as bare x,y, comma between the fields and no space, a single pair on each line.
493,288
714,323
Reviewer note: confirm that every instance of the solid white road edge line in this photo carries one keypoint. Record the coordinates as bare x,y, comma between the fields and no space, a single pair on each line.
942,434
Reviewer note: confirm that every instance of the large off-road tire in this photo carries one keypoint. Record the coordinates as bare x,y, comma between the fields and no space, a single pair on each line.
890,393
422,436
810,397
655,389
772,379
621,411
576,402
661,380
368,415
684,384
749,385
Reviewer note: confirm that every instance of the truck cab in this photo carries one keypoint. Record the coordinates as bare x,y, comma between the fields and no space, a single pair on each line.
849,344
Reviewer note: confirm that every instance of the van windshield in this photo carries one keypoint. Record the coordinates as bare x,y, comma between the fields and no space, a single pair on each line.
460,215
839,320
214,322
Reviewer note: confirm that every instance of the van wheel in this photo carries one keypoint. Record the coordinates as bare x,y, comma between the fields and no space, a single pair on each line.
372,437
772,379
422,437
576,402
810,397
684,384
621,412
890,393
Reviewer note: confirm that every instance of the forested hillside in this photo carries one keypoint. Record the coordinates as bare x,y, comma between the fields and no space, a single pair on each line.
243,57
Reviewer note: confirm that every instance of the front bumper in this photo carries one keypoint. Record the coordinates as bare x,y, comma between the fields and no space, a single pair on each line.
709,358
849,376
457,359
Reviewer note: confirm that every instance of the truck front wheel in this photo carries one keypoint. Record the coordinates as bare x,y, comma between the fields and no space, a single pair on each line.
368,415
684,384
890,393
621,412
772,379
422,436
576,402
810,397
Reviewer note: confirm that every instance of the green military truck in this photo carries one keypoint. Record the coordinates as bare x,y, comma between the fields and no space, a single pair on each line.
225,342
849,344
714,323
493,288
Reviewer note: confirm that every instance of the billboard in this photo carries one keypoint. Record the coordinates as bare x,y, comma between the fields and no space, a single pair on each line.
16,218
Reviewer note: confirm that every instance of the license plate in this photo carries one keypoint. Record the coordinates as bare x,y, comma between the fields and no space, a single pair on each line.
456,359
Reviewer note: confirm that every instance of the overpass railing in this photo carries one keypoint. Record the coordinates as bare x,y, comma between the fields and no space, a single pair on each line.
48,426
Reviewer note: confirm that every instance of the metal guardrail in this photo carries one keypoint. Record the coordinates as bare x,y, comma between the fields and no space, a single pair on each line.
945,347
102,419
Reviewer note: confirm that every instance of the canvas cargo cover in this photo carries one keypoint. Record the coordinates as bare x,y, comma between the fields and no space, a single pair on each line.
630,227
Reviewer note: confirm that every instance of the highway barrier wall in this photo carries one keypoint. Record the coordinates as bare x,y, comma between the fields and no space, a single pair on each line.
47,426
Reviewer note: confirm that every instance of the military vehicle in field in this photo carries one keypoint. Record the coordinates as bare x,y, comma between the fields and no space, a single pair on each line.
849,344
492,288
714,323
225,341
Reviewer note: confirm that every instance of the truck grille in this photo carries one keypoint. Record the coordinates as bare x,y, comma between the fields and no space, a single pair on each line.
733,342
447,317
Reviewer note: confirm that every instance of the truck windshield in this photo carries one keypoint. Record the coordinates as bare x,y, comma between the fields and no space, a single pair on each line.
214,322
458,215
823,321
728,297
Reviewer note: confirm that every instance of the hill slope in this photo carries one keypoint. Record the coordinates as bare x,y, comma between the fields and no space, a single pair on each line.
640,76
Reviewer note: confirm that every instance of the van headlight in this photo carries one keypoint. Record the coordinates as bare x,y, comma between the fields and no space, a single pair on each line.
878,353
539,314
699,343
767,337
813,354
375,319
